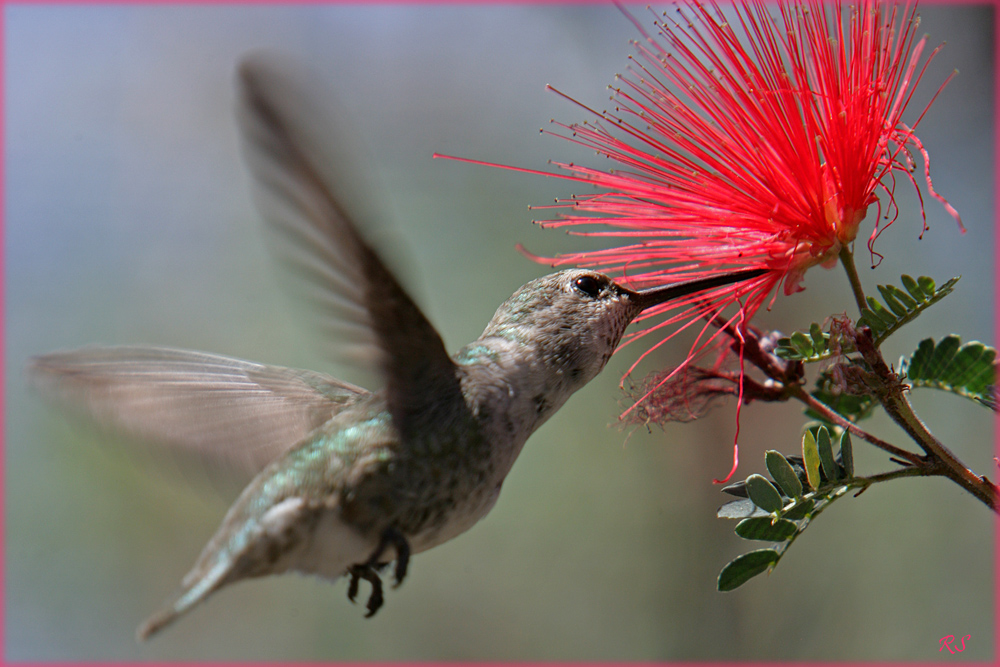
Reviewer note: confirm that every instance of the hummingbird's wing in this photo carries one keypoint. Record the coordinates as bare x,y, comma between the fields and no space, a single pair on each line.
237,412
291,153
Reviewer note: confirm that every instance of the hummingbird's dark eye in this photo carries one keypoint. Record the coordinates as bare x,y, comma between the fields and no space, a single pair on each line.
589,285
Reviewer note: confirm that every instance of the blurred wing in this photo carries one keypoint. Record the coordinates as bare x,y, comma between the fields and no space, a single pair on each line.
291,153
233,411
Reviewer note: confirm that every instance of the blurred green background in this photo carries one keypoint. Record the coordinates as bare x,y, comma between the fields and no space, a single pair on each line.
128,220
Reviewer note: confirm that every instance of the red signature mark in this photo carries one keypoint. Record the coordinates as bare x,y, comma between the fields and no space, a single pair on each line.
946,643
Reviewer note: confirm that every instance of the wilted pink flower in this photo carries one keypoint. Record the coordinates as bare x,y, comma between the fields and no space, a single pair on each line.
758,141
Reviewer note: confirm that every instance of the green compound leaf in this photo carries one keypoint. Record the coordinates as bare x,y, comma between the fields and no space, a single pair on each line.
763,494
782,473
744,568
967,370
901,307
782,526
762,528
813,346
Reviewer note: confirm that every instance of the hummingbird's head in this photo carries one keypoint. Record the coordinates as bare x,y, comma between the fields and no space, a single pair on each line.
574,319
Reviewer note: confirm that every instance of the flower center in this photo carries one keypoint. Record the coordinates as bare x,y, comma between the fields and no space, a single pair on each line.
843,218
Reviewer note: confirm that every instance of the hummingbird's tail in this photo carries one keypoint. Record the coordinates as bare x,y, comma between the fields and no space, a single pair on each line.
194,592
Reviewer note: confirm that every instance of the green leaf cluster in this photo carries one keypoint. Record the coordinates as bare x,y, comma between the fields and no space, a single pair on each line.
778,510
802,347
900,307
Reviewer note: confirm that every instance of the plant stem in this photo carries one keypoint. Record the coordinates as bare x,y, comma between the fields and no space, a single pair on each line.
898,407
911,471
847,259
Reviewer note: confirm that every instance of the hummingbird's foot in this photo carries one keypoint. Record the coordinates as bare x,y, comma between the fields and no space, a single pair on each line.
370,568
367,573
391,536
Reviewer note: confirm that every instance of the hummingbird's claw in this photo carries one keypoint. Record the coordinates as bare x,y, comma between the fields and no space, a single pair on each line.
400,573
374,600
352,588
402,554
366,572
391,536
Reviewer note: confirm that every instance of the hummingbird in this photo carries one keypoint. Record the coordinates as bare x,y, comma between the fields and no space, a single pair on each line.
349,481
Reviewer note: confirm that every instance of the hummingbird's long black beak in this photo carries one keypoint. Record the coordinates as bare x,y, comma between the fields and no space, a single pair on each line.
657,295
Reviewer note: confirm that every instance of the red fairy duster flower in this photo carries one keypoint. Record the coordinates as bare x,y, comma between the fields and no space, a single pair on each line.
762,150
765,152
757,141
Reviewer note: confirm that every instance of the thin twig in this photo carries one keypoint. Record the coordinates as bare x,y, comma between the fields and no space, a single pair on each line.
831,415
